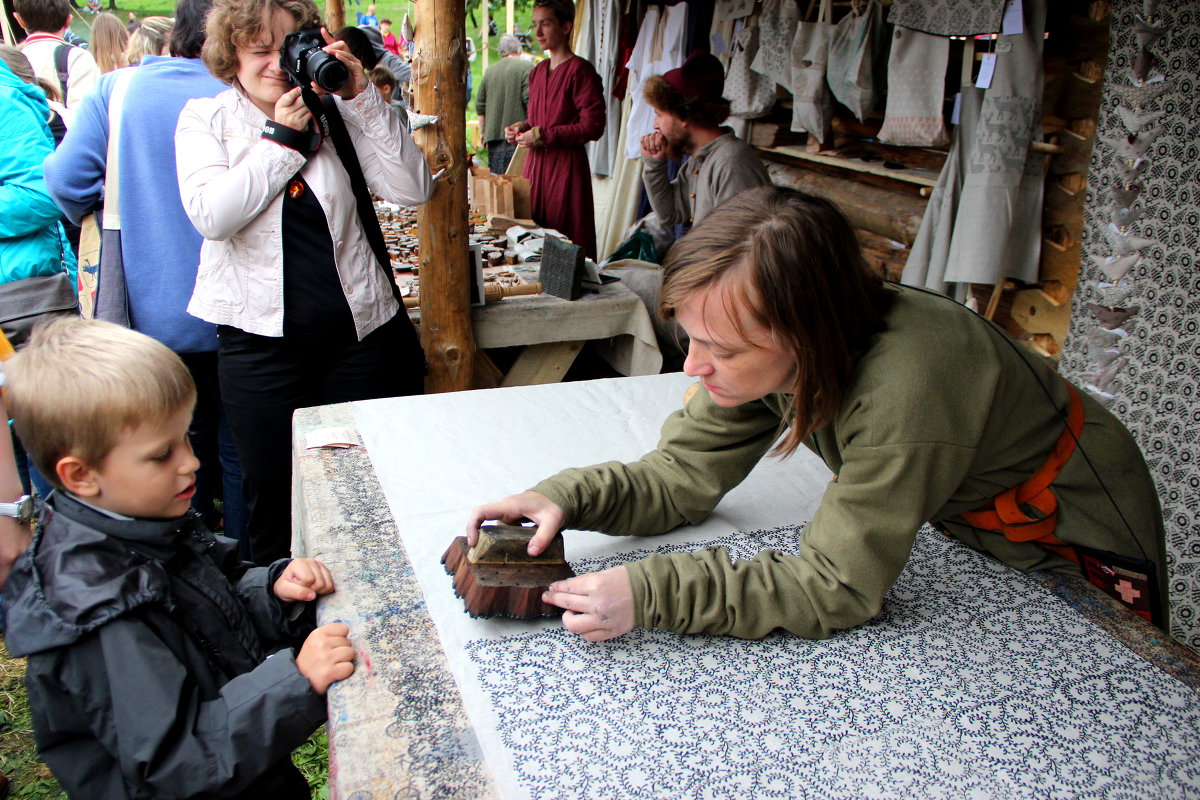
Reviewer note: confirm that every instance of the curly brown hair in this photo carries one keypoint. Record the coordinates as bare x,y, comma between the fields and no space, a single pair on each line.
239,23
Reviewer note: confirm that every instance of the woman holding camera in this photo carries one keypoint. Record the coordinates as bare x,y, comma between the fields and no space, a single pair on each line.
305,313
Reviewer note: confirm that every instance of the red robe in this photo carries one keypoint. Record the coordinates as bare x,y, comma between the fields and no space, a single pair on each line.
567,104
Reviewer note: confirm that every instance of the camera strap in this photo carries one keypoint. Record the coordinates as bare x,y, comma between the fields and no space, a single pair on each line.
324,109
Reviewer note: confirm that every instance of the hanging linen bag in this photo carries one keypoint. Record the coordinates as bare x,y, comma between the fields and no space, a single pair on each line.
916,77
812,104
857,42
778,22
749,94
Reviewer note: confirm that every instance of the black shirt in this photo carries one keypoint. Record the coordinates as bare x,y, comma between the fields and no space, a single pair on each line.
314,303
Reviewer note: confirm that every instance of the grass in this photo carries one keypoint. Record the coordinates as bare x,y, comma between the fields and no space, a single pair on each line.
27,775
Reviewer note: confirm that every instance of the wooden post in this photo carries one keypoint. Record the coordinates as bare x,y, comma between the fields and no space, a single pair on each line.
510,16
335,15
439,75
484,33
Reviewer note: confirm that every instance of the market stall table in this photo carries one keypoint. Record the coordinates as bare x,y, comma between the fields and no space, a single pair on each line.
975,680
552,332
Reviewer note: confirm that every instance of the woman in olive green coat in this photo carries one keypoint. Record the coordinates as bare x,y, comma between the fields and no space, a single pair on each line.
924,411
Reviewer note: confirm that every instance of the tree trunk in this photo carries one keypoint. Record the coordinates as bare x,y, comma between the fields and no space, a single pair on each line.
439,75
335,15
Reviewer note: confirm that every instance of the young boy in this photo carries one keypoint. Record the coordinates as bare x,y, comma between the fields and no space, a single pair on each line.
159,664
47,23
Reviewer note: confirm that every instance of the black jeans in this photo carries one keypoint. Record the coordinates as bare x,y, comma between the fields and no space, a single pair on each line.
220,473
264,379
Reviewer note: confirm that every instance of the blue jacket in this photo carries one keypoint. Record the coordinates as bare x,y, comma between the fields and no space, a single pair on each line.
31,239
159,246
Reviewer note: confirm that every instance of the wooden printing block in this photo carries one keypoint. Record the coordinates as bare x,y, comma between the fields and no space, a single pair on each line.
498,577
561,272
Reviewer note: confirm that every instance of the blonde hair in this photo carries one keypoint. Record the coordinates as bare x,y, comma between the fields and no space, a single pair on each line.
148,39
109,40
239,23
79,385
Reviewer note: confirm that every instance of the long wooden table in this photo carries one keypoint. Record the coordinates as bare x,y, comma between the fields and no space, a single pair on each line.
552,331
965,695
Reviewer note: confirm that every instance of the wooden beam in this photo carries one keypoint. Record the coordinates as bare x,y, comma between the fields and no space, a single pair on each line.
542,363
484,34
439,75
335,15
891,214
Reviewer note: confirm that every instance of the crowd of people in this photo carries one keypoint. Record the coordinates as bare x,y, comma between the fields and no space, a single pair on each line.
135,428
241,279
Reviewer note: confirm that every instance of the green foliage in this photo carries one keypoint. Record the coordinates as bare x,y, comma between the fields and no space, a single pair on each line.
27,775
312,759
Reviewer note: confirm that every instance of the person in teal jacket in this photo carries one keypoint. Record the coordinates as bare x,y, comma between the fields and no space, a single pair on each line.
32,241
922,410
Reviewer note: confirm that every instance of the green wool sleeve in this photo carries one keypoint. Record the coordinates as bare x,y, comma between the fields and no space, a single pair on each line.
704,451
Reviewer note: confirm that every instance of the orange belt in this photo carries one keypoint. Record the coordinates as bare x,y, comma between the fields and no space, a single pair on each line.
1007,514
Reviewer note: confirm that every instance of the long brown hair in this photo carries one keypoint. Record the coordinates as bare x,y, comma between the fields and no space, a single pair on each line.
109,40
806,282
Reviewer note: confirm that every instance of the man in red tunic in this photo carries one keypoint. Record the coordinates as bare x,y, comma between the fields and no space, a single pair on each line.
566,110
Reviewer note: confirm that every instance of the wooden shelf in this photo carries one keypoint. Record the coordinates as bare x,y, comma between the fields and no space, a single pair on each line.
918,177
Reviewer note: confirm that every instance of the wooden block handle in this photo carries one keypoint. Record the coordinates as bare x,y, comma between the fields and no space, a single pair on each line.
492,292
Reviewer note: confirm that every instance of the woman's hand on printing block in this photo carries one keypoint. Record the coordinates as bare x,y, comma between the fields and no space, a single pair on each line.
597,606
516,509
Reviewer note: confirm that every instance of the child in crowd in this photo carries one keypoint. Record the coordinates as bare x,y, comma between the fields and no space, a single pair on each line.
159,664
48,24
390,42
385,82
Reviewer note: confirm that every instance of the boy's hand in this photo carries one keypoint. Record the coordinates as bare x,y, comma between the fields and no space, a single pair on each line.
326,656
303,579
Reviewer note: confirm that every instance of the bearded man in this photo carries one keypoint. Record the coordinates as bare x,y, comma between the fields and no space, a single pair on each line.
688,112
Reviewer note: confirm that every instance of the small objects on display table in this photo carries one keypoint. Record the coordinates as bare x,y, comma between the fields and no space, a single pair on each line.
507,260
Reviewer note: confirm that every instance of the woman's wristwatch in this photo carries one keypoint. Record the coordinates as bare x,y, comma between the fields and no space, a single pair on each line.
21,510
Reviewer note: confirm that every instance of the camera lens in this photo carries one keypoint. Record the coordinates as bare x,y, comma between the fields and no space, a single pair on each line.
329,73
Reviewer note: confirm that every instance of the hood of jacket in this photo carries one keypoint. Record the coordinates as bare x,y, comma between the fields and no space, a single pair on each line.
85,569
27,95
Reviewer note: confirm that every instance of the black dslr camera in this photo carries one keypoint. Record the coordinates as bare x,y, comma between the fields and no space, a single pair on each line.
303,57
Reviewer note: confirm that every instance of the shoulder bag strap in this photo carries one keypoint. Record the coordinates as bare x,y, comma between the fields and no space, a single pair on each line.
61,55
326,111
112,181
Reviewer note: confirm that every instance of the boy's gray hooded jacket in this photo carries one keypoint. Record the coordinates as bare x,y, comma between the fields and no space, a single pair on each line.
148,671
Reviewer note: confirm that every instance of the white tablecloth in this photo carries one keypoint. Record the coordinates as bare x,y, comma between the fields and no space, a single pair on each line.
974,681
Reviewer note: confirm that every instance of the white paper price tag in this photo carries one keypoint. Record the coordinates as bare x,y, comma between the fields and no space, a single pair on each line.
986,69
1014,18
